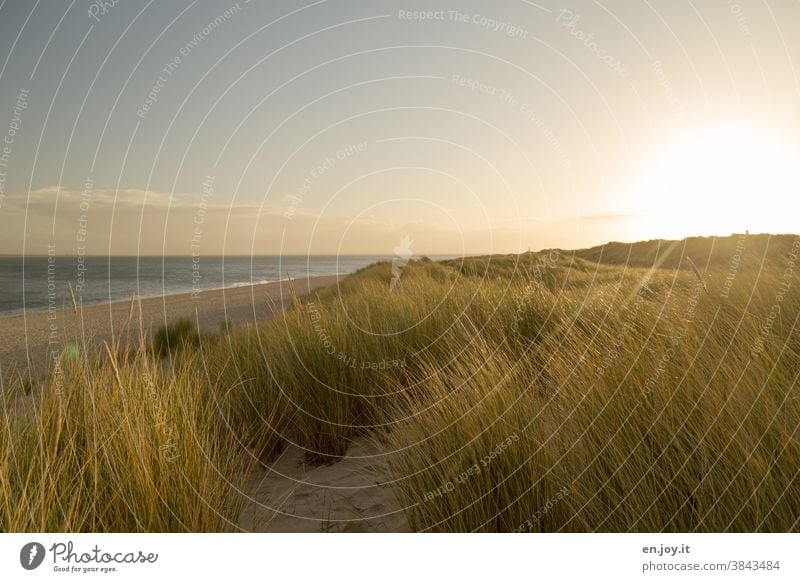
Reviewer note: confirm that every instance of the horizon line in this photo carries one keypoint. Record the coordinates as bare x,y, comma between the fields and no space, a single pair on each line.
416,254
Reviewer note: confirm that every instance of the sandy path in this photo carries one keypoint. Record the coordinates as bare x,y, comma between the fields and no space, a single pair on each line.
28,339
348,496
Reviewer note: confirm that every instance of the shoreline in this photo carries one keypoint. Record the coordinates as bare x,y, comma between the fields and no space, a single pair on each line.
34,311
27,340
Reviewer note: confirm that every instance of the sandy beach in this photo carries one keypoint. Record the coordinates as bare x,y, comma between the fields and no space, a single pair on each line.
26,340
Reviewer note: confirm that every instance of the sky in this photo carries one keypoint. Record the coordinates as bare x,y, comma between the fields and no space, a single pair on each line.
344,126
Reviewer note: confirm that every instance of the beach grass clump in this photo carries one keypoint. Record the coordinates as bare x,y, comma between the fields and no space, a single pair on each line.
175,335
325,369
105,446
251,404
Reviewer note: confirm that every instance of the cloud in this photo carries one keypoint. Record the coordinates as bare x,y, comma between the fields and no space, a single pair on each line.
145,222
125,221
134,221
53,200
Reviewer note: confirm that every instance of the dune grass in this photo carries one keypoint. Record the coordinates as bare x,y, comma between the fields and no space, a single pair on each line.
111,445
668,415
174,336
535,392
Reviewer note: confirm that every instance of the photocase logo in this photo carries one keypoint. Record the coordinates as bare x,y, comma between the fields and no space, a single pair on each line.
31,555
402,254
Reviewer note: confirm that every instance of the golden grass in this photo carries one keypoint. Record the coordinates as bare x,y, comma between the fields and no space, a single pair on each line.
540,392
107,446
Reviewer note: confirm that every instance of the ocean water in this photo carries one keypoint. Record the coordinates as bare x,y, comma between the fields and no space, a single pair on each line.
38,283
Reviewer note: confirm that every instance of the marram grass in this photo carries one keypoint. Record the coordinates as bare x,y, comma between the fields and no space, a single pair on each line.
541,392
106,446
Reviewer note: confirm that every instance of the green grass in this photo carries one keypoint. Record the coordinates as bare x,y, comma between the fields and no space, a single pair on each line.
176,335
554,391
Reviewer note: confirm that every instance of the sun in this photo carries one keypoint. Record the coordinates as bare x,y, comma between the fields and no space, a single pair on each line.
717,181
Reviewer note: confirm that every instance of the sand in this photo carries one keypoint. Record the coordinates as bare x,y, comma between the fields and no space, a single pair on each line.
355,494
26,340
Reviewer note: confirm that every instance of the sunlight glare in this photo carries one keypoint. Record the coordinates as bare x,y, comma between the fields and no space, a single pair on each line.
719,181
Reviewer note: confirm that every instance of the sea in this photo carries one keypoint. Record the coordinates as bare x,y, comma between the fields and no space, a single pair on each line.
41,283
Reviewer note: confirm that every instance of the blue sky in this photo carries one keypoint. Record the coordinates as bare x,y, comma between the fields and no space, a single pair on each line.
343,126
